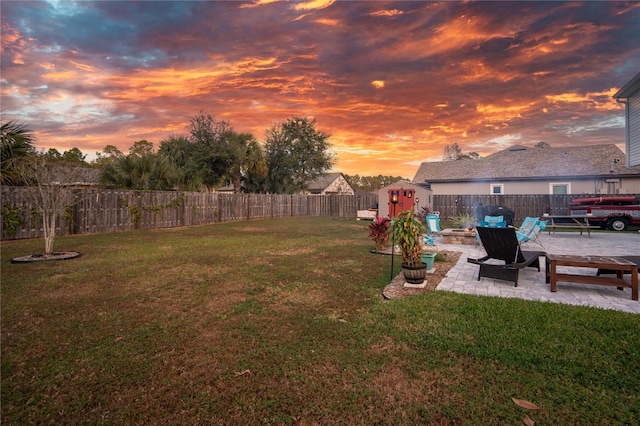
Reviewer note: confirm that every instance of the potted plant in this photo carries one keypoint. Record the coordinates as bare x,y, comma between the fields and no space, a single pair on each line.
379,231
407,234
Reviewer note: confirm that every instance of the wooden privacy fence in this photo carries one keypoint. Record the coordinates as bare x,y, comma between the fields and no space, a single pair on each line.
522,205
103,211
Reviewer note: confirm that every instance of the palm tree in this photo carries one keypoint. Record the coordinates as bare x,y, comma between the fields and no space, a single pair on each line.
249,159
147,172
17,143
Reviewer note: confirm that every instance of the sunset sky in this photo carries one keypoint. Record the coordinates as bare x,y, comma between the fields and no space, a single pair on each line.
392,82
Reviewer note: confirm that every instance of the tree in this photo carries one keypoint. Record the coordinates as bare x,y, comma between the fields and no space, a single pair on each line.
71,157
108,154
371,183
52,193
452,152
469,156
17,144
249,164
205,130
141,148
542,144
212,153
146,172
52,155
74,156
182,154
296,154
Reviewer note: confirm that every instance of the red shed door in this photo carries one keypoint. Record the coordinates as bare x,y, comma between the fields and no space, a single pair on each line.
404,199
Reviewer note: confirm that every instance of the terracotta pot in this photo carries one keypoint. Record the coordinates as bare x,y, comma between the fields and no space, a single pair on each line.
414,274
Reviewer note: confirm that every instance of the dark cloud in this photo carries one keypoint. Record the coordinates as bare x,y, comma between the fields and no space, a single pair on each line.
393,82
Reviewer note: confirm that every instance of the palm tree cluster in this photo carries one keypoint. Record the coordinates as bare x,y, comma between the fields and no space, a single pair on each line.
17,144
212,155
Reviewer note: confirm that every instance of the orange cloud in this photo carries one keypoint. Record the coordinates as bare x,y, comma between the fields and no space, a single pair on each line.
313,4
393,85
256,3
597,100
329,22
392,12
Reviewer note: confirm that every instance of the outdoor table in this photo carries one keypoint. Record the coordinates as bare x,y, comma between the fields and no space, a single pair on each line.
572,221
611,263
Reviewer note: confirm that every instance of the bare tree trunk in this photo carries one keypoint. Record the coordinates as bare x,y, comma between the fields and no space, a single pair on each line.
49,227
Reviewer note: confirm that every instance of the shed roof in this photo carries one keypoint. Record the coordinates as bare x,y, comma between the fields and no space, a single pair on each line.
524,163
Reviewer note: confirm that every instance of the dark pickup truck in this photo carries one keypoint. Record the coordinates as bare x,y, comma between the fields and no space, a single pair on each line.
613,212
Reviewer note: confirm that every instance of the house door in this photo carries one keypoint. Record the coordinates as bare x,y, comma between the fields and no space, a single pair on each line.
400,200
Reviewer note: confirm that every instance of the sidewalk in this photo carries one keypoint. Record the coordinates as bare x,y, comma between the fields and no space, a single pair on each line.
463,277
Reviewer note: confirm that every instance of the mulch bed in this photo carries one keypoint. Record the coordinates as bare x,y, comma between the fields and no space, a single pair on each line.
397,289
42,257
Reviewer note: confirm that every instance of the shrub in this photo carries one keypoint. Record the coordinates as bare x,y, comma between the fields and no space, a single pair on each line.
421,215
379,231
464,220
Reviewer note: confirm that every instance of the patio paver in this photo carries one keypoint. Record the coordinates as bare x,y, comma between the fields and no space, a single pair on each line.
462,278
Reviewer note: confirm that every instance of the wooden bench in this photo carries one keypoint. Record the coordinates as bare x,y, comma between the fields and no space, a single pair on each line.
634,259
618,265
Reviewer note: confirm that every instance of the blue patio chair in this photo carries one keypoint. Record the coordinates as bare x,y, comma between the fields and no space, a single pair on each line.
433,226
433,223
530,230
493,222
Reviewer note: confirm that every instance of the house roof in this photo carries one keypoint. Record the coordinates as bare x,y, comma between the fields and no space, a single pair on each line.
361,192
74,175
321,182
525,163
629,89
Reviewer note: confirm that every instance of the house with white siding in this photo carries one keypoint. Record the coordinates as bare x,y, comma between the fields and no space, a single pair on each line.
629,95
330,183
523,170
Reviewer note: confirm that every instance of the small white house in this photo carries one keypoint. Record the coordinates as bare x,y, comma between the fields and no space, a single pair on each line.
330,183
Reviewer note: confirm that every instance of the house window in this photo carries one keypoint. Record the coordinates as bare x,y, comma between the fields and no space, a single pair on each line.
496,189
562,188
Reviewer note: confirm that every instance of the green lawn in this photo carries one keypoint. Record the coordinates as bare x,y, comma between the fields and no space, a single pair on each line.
282,322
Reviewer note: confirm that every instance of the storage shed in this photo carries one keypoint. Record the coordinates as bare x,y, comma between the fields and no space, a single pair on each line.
407,194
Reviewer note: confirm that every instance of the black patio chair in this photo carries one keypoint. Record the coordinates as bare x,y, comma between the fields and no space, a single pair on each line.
502,244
